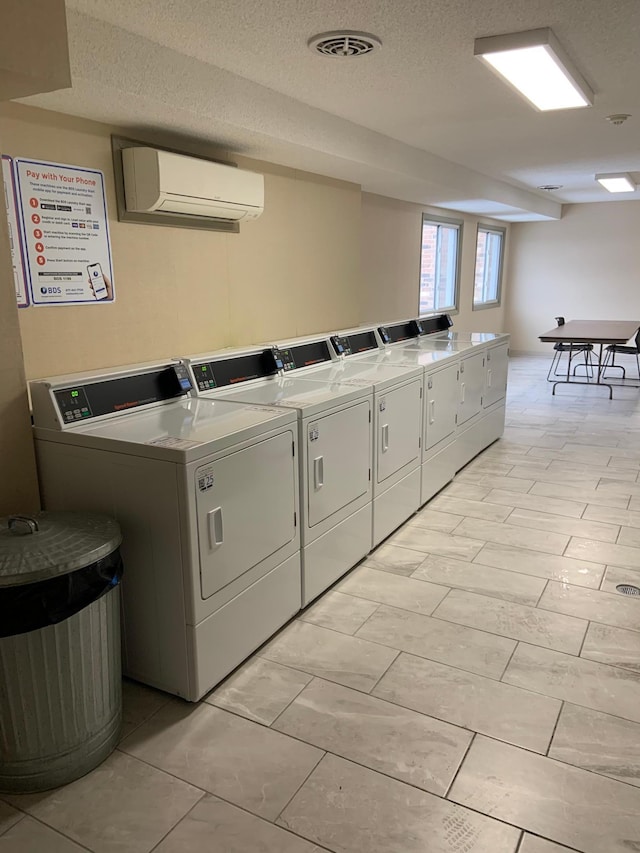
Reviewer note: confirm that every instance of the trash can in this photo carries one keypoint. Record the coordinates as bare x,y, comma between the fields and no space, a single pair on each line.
60,667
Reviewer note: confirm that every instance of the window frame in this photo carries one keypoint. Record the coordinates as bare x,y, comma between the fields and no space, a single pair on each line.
458,224
493,303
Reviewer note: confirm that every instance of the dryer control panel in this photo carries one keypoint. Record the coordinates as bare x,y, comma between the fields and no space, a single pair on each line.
221,372
400,332
354,344
302,355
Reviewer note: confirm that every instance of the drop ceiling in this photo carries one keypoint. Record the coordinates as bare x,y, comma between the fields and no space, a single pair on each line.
420,119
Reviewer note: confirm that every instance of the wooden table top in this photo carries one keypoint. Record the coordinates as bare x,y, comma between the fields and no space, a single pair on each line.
593,332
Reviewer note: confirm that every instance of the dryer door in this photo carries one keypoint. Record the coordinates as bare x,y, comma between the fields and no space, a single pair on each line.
441,405
246,505
338,460
398,428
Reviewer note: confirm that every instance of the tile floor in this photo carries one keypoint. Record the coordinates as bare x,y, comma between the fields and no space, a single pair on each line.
472,687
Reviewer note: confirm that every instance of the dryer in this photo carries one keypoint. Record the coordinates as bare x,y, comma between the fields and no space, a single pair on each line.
335,439
397,435
206,493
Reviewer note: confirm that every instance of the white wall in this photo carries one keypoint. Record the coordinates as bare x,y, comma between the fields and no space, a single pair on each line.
584,266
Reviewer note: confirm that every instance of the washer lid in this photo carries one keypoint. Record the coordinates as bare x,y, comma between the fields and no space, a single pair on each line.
49,544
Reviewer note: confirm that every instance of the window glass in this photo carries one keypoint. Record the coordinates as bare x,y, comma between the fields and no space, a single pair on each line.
440,264
488,275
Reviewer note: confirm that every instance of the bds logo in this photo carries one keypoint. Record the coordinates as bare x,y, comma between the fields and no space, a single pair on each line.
51,291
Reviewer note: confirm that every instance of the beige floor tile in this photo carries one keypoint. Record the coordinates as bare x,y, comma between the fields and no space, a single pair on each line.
214,826
594,498
351,661
417,749
139,702
457,645
634,504
554,475
391,558
583,810
406,593
517,621
445,522
582,682
573,468
616,486
613,515
535,844
259,690
350,809
615,646
601,552
599,743
477,703
629,536
510,483
236,759
29,836
580,572
611,608
552,506
123,806
461,488
445,544
340,612
474,577
8,816
614,575
471,508
487,466
504,534
536,520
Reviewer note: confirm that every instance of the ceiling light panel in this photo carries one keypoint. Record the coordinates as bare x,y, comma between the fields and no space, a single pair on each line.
617,182
536,66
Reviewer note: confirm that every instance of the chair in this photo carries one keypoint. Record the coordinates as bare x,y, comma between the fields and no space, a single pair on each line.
573,350
622,349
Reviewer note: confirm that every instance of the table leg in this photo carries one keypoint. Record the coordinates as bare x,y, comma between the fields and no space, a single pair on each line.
569,381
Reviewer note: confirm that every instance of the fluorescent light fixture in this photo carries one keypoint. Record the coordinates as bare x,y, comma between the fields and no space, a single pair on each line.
536,66
617,182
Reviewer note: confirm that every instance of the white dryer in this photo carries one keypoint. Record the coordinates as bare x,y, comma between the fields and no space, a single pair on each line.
397,435
441,370
334,428
206,493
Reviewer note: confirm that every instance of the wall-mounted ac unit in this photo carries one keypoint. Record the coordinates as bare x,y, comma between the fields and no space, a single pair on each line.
162,182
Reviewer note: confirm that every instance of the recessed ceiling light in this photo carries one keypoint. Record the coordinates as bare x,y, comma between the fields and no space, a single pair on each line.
536,66
344,43
550,187
617,182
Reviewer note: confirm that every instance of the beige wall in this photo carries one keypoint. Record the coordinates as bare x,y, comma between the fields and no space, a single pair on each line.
294,270
583,266
391,238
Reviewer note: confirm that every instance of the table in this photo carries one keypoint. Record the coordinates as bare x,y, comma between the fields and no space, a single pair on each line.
597,332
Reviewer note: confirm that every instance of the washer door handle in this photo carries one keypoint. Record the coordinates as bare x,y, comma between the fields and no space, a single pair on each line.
385,438
215,528
432,412
318,472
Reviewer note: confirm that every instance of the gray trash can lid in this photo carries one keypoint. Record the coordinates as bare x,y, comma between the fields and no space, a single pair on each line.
48,544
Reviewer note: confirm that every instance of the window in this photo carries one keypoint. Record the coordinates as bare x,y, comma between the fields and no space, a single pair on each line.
488,277
440,264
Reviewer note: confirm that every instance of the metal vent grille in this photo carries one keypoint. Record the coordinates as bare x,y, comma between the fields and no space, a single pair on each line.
344,43
628,589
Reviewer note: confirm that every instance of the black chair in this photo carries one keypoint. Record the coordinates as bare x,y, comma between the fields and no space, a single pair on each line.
622,349
573,350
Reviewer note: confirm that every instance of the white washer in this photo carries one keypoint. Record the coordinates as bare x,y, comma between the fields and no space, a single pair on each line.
441,370
206,493
334,423
397,435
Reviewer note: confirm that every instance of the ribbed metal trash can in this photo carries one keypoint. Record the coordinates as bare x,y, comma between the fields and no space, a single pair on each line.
60,667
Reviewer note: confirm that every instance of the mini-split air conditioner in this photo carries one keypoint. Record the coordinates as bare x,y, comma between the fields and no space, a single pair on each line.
160,182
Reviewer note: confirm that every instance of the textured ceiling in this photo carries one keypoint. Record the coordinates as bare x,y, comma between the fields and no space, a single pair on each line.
420,119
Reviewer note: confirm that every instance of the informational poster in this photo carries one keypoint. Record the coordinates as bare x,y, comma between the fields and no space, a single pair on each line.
63,211
15,234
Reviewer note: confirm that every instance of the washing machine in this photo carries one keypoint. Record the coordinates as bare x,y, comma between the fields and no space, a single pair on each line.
439,457
482,381
335,438
397,435
206,493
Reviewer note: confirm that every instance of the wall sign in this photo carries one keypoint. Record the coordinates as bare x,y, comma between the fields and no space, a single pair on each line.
66,233
15,233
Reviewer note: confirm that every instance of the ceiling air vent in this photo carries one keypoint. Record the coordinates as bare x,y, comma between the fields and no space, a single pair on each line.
344,43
